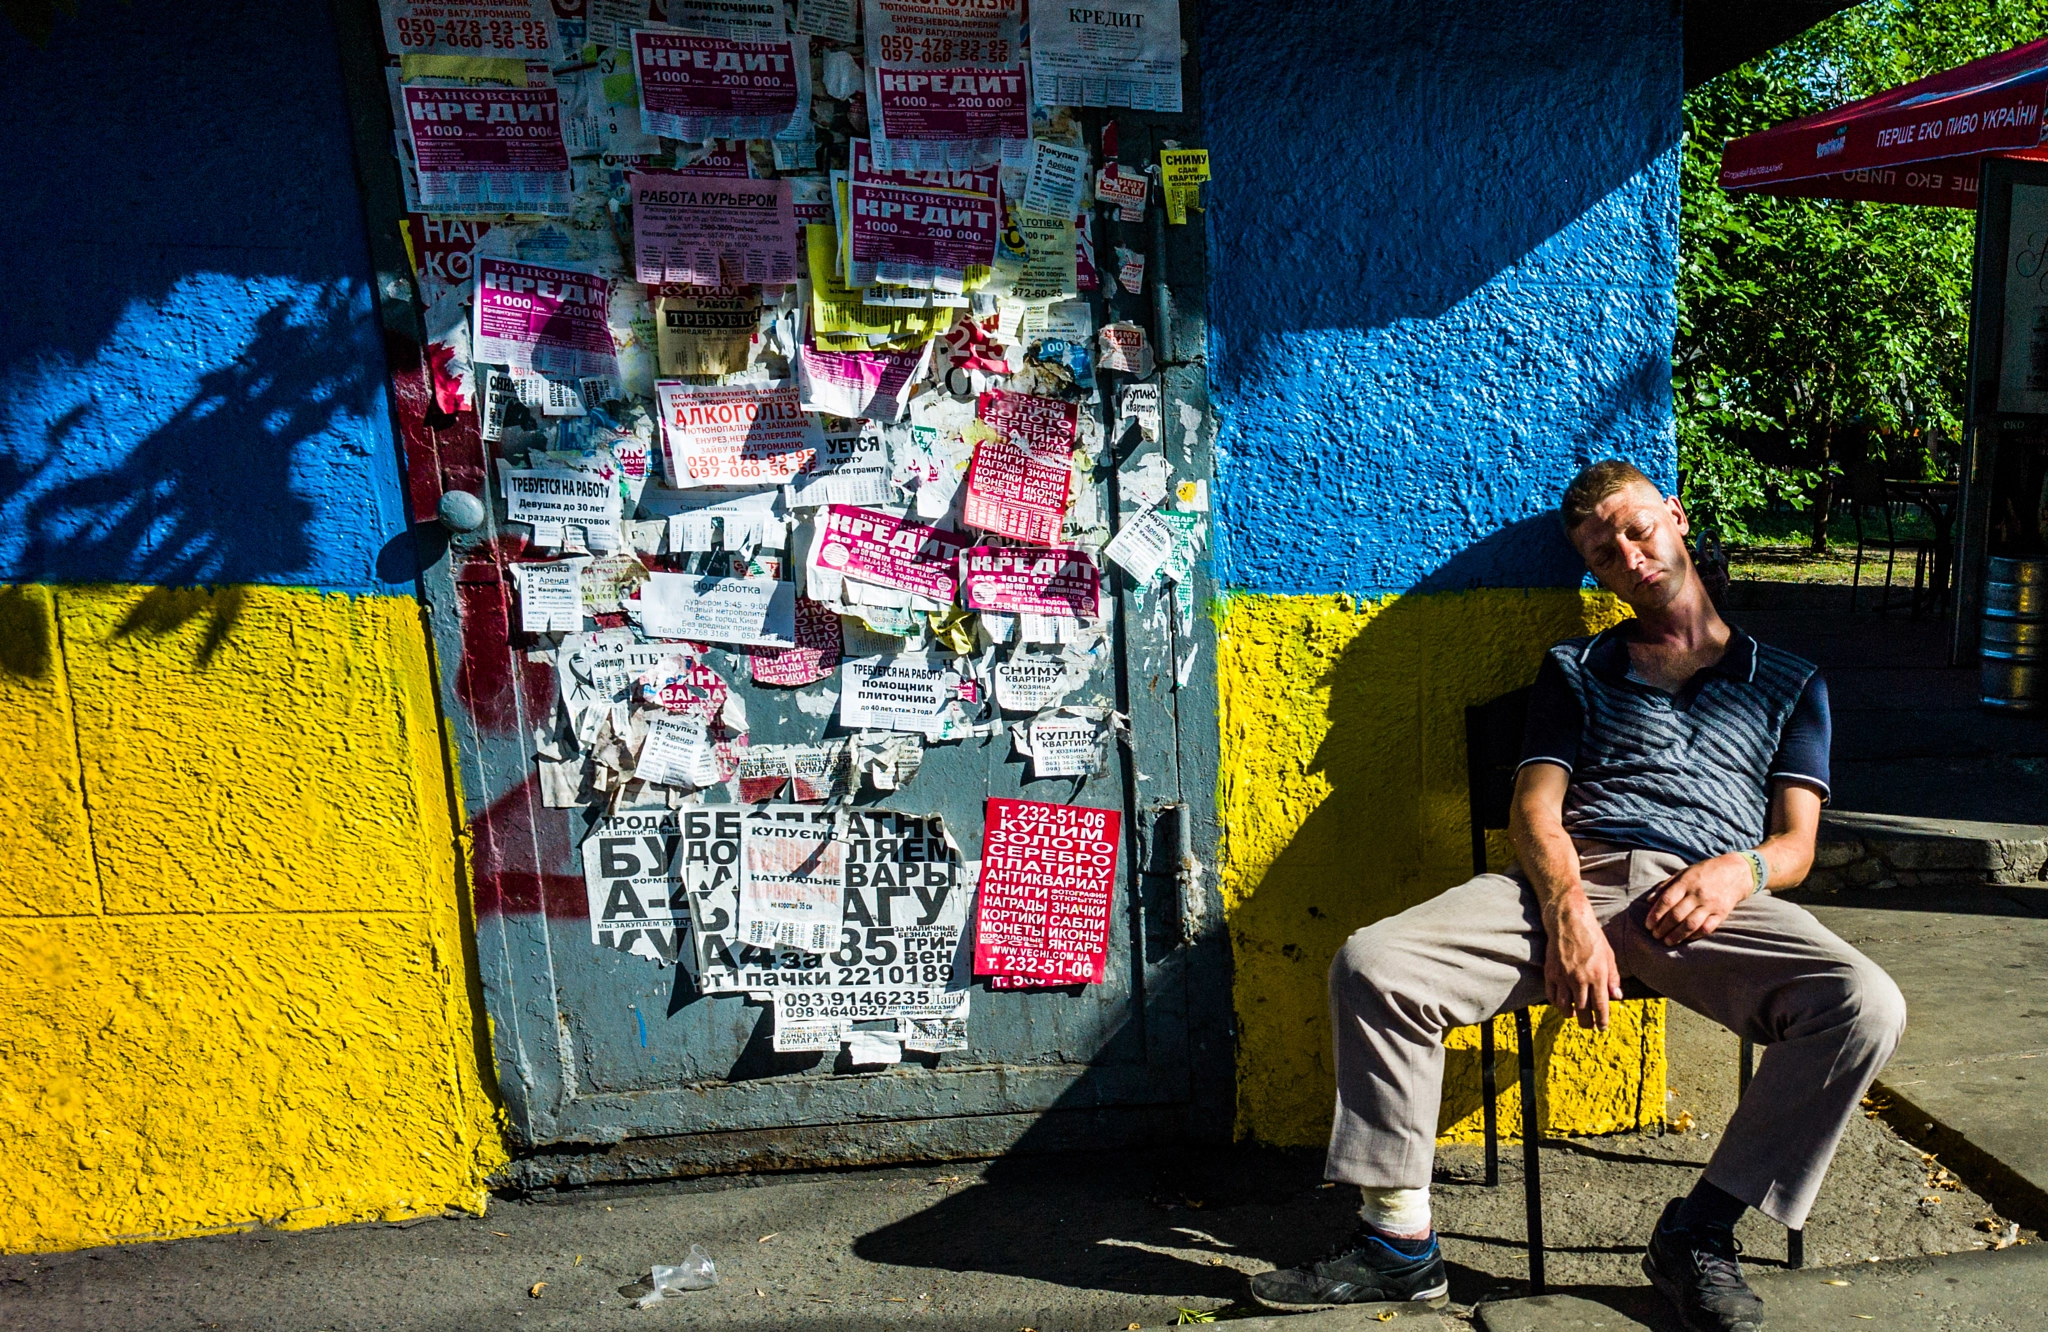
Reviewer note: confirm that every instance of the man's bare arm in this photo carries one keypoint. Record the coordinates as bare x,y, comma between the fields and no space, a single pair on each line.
1579,970
1693,903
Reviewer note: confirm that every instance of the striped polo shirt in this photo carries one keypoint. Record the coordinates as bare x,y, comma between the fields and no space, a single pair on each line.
1687,772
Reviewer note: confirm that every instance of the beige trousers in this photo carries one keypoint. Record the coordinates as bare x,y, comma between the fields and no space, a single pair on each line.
1826,1015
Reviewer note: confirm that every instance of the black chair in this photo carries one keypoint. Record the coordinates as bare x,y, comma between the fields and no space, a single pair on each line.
1866,493
1493,748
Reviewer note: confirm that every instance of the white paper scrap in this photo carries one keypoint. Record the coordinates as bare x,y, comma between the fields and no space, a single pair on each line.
678,752
753,612
550,597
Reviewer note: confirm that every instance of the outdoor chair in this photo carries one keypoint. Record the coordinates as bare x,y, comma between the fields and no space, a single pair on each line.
1867,492
1493,748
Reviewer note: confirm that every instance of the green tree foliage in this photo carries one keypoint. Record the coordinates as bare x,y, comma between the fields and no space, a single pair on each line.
1812,330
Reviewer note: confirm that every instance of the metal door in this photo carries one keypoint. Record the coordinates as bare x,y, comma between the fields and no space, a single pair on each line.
616,1055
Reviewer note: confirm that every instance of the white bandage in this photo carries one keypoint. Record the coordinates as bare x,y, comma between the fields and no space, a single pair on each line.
1395,1211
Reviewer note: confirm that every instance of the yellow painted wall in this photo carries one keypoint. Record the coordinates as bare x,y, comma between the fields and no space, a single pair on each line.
1343,801
231,950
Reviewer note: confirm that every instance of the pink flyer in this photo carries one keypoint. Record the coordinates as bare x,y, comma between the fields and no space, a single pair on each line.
877,547
1048,882
1017,580
899,223
1017,484
874,386
548,320
488,149
815,656
712,231
734,435
696,88
964,102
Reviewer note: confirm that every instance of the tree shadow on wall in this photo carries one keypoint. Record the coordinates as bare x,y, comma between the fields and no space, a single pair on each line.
207,497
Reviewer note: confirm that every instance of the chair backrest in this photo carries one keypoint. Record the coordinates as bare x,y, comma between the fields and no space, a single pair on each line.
1493,749
1866,485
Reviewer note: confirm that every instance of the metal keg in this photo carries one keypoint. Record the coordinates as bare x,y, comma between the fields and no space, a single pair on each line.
2015,635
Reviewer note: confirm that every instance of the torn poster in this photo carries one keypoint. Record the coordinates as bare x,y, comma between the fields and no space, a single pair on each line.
682,684
734,435
792,884
629,877
678,752
1121,54
706,231
912,691
548,320
876,547
815,656
550,597
935,119
1048,875
443,253
748,20
1017,580
897,949
872,386
1124,348
705,330
1034,681
813,774
697,88
489,150
1142,546
887,761
906,230
750,612
852,469
490,29
1130,270
1138,404
1048,272
711,879
609,579
563,495
1181,173
1064,742
833,20
1017,485
1127,189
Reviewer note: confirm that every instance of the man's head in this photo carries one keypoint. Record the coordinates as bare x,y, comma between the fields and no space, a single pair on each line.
1631,534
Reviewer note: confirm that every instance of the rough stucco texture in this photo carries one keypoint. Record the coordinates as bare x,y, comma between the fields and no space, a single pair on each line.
1444,245
191,373
1345,803
230,947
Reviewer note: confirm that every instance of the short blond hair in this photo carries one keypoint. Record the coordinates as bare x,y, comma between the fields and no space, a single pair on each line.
1609,476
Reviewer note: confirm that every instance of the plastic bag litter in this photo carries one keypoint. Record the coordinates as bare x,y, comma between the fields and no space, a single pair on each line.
695,1273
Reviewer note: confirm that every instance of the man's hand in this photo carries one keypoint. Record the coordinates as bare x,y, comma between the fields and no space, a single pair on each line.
1692,903
1579,970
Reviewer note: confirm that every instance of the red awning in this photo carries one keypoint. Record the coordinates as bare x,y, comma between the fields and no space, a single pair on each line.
1920,143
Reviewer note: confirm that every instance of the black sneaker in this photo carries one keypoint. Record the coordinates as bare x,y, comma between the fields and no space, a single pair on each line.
1367,1270
1699,1274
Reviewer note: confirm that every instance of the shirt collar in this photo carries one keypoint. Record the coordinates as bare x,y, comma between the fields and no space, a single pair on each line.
1607,656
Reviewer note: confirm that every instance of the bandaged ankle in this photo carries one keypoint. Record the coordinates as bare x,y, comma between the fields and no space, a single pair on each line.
1395,1211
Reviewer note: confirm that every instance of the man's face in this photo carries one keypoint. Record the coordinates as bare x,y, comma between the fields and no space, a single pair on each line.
1635,545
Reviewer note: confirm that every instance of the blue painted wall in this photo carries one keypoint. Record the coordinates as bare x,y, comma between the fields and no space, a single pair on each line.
191,372
1444,238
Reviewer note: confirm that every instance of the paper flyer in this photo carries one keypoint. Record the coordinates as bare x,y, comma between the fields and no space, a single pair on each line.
877,547
550,597
561,495
792,884
734,435
1122,55
947,117
852,469
487,29
1048,877
696,88
1181,173
806,774
1034,681
548,320
927,34
1017,485
705,330
872,386
629,875
815,656
488,150
911,691
678,752
1064,742
1019,580
920,231
705,231
750,612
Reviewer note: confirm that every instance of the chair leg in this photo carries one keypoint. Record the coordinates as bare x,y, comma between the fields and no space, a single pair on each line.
1532,1179
1489,1113
1795,1247
1746,1069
